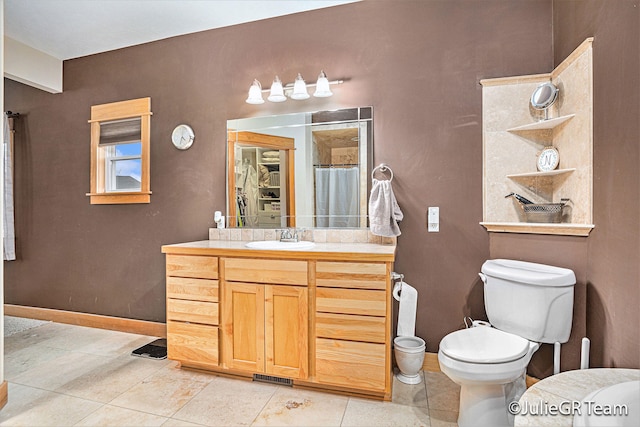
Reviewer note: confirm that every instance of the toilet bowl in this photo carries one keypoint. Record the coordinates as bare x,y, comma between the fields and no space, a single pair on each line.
409,354
490,366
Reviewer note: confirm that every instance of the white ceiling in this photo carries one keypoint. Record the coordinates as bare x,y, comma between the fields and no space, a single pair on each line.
68,29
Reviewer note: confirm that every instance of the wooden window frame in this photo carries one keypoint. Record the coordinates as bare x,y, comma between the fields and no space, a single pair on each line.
140,107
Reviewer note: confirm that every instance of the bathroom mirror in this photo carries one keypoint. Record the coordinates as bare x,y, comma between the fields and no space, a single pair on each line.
300,170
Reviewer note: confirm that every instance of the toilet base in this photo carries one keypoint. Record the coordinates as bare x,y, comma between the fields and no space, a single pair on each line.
484,406
409,379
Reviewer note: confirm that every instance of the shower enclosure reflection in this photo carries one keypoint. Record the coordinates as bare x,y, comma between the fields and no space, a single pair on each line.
300,170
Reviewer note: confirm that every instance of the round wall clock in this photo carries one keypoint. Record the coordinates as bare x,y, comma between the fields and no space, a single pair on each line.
182,137
548,159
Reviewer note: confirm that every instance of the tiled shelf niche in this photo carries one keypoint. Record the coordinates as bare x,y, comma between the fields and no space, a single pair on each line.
514,134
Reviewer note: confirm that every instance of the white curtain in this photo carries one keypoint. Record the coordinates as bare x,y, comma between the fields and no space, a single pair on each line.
337,204
8,229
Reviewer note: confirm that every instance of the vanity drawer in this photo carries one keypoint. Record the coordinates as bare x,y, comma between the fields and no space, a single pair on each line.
194,343
351,301
192,289
197,266
350,364
192,311
351,327
279,272
357,275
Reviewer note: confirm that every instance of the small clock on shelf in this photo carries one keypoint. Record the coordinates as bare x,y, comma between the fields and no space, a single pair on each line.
182,137
548,159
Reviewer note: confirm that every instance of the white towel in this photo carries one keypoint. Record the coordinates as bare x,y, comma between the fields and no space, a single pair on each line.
384,212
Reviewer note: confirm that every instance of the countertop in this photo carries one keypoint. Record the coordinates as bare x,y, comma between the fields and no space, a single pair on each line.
334,251
569,386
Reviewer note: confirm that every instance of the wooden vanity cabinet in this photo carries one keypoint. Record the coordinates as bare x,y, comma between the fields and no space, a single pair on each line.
265,324
319,318
192,309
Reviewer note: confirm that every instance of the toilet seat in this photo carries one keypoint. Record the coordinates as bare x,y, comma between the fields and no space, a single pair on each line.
484,345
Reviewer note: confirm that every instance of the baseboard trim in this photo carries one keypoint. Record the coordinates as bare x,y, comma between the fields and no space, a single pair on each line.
431,364
4,394
142,327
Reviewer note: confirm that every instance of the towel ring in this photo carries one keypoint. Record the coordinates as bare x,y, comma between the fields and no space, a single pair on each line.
383,168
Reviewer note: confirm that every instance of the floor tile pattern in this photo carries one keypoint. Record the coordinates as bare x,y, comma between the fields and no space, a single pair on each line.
65,375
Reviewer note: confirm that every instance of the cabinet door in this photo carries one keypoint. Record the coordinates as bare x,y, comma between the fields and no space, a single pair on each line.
243,323
286,331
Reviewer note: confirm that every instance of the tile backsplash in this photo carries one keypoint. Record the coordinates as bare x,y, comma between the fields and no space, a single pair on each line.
318,235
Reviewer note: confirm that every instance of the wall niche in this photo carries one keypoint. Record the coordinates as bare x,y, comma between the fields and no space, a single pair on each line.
514,133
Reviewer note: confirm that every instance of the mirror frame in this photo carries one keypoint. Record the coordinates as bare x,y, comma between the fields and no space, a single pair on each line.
362,115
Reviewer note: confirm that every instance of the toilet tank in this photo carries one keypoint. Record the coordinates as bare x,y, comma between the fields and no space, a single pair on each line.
534,301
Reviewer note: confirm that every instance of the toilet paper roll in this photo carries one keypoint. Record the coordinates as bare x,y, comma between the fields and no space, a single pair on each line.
407,310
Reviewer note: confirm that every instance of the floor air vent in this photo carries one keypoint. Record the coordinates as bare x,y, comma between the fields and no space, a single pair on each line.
273,380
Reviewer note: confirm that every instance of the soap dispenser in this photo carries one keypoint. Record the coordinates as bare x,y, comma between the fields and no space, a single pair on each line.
219,219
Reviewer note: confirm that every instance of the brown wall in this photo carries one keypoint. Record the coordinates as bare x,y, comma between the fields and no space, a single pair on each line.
607,263
613,249
418,64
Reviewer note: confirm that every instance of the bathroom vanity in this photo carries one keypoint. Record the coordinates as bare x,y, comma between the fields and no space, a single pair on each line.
317,317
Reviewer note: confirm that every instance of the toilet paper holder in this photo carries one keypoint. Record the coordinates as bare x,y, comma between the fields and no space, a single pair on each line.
396,276
398,286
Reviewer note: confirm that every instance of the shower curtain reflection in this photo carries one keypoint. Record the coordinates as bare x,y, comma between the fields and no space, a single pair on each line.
337,202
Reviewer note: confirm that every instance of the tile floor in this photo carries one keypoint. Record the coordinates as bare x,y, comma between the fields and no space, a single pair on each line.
65,375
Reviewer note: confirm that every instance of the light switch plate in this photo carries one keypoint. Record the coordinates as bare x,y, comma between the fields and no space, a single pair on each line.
433,219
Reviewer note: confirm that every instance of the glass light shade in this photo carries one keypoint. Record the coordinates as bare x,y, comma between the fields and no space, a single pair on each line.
299,89
322,86
277,91
255,93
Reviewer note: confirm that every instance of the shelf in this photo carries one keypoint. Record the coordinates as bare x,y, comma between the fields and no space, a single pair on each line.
539,174
543,124
564,229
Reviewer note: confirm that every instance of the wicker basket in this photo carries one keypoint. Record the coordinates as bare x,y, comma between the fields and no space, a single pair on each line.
543,212
274,179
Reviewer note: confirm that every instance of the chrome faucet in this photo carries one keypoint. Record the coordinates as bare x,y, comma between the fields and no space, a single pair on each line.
288,235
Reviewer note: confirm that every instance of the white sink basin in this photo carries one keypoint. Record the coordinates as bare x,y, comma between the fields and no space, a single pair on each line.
278,245
611,397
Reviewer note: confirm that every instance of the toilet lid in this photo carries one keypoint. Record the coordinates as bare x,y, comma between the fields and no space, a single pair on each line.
484,344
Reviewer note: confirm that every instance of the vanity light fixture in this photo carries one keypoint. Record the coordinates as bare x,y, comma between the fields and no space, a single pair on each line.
255,93
299,89
296,90
277,91
322,86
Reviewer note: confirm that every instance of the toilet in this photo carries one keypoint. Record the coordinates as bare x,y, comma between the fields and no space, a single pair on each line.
407,348
526,304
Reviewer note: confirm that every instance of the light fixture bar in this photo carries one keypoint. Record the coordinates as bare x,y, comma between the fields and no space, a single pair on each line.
289,86
298,90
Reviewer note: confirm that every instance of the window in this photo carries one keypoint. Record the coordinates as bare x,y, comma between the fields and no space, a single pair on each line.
120,152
